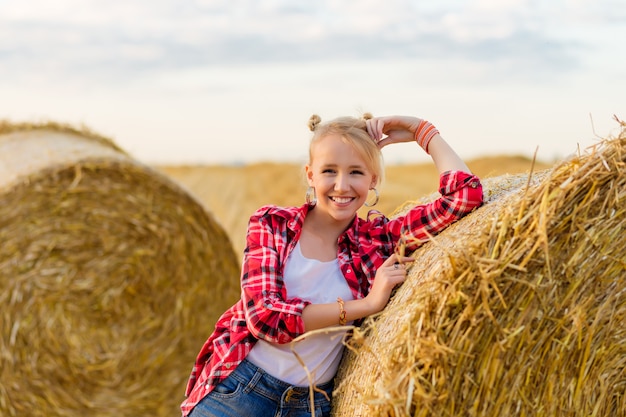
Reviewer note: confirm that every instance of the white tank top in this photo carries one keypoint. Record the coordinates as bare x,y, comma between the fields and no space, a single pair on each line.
317,282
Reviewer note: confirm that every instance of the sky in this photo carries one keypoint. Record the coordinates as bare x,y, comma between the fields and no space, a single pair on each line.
235,81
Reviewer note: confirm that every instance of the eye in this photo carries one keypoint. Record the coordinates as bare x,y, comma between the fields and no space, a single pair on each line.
357,172
328,171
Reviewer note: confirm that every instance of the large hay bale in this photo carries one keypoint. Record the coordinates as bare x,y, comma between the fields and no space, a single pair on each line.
111,277
519,309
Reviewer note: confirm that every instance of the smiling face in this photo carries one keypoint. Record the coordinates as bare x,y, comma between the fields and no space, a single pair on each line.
340,177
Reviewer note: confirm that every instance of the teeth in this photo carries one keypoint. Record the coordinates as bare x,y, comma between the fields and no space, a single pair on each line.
342,200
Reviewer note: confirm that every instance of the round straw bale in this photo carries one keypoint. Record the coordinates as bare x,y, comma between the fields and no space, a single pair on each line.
518,309
111,276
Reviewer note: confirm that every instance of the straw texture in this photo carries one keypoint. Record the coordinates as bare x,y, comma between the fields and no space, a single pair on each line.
519,309
111,277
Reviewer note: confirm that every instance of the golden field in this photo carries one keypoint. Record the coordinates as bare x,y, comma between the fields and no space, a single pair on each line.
93,237
232,193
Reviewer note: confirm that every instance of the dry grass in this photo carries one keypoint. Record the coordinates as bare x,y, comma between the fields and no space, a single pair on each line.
7,127
111,278
105,264
519,309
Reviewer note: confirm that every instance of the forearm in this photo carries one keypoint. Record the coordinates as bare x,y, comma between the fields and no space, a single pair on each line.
319,316
444,157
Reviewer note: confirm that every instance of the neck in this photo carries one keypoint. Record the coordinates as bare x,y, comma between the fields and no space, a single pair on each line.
324,227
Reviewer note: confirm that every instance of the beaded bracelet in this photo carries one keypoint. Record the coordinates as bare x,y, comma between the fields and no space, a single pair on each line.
424,133
342,312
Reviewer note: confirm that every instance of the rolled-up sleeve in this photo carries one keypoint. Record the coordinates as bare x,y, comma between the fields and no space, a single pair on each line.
269,316
461,193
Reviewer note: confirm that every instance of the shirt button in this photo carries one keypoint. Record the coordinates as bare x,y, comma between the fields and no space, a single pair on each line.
227,366
348,270
474,184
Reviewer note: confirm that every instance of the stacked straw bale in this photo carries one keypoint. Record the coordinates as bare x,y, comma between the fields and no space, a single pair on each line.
519,309
111,277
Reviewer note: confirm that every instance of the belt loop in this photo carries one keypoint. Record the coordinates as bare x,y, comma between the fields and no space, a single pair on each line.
258,374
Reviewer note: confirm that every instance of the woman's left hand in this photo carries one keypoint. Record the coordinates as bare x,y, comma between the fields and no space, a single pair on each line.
392,129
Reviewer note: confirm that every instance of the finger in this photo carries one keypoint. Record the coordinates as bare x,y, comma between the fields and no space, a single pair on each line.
385,142
401,264
405,259
370,130
373,129
380,127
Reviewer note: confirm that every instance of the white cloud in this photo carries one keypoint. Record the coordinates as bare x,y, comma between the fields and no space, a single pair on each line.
153,65
118,37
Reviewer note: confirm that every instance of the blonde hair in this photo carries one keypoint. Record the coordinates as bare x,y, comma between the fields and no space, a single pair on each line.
354,132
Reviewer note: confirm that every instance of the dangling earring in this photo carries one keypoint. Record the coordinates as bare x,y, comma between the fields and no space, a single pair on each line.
310,192
366,204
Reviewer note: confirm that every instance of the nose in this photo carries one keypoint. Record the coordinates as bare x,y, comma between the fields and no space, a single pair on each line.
342,183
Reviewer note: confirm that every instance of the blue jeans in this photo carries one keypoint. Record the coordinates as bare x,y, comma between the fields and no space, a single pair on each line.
250,391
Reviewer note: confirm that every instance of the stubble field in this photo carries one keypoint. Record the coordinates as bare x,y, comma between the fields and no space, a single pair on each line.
232,193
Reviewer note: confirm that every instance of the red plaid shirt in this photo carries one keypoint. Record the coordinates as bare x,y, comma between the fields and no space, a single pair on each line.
263,312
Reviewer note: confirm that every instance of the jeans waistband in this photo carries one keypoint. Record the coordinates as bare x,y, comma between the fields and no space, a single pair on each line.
273,387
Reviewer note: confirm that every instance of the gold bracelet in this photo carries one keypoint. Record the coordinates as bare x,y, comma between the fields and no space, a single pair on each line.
342,312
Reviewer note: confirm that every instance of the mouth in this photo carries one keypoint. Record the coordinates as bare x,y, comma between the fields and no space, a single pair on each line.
342,200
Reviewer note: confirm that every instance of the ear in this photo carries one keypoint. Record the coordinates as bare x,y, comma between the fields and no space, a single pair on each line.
374,181
309,174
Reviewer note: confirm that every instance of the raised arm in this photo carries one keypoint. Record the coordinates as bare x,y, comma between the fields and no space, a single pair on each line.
460,191
398,129
444,157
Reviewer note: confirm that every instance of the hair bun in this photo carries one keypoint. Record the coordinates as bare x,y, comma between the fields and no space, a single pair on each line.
367,116
314,121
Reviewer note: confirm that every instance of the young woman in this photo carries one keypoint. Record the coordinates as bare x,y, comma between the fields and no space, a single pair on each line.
320,265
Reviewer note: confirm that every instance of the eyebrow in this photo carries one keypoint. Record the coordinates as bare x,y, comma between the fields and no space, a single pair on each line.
350,167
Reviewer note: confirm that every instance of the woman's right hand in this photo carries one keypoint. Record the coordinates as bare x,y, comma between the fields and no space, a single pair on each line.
389,275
